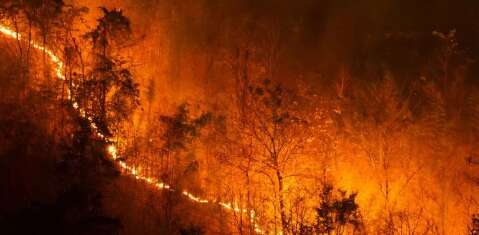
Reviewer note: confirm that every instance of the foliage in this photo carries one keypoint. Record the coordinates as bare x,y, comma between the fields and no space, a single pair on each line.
113,29
62,193
181,129
337,212
400,125
110,93
474,227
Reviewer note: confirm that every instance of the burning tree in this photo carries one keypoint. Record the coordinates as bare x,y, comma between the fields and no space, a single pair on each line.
277,128
110,93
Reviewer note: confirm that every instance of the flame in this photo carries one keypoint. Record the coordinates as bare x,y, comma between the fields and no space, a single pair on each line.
9,33
112,149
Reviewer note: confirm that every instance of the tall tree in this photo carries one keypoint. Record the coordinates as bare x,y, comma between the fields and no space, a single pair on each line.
281,127
110,92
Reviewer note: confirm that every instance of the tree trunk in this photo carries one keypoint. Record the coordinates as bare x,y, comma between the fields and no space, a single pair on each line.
248,202
282,210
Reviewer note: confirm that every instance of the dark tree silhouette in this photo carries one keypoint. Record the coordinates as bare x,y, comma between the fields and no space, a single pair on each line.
337,212
474,226
110,93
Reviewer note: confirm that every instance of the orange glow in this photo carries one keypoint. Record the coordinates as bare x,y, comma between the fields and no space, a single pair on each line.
112,149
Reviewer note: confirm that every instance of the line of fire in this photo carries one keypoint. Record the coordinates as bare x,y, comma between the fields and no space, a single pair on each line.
246,117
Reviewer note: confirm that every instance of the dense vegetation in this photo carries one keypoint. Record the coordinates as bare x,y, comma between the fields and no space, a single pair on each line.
306,124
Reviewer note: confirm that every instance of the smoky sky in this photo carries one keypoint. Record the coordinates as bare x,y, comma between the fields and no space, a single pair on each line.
327,34
338,18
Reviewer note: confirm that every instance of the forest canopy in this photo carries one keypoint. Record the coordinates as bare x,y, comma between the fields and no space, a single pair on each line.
239,117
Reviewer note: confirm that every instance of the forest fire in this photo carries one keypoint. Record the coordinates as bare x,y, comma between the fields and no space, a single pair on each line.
130,170
239,117
53,58
112,150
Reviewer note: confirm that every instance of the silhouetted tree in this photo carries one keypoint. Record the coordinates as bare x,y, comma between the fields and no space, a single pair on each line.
338,213
178,133
281,126
110,93
474,226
